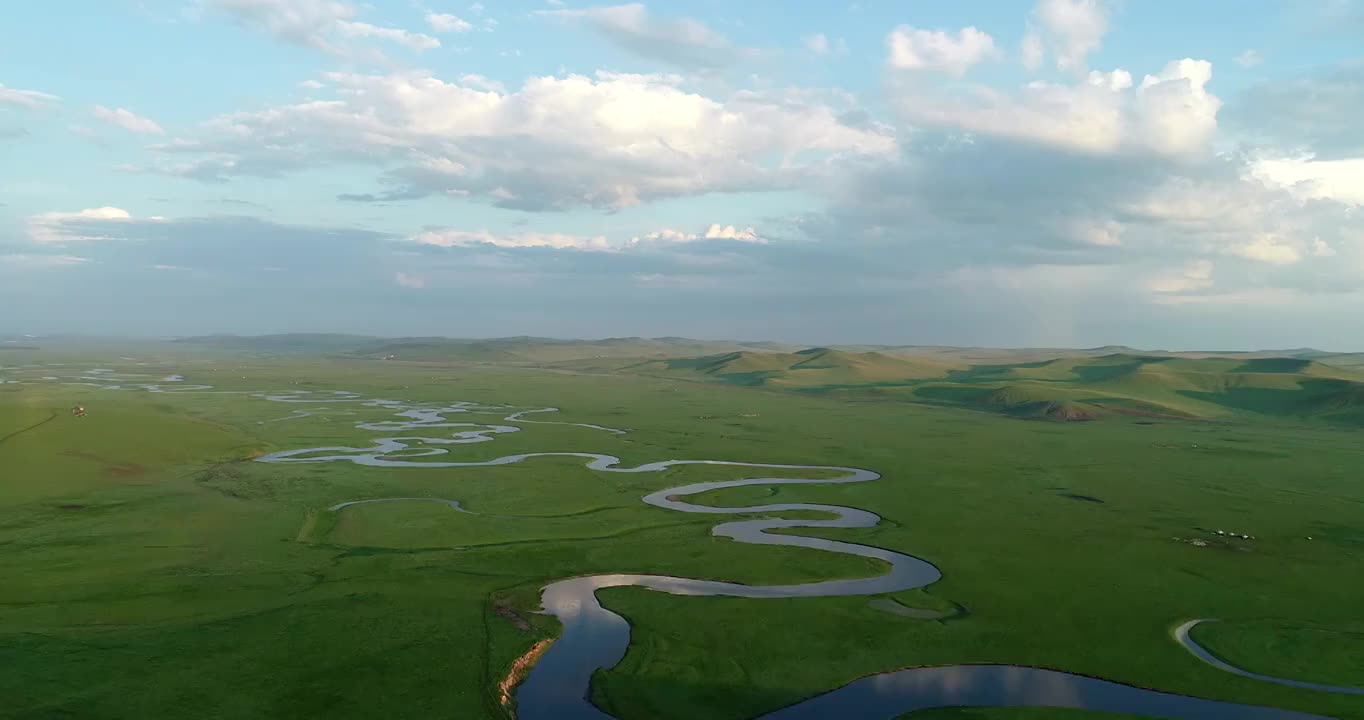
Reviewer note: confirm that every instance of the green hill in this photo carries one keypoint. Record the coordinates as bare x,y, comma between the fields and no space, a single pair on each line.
1115,384
544,350
813,368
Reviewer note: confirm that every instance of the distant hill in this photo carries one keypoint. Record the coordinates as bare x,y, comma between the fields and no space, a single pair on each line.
285,343
1076,388
547,350
521,349
814,367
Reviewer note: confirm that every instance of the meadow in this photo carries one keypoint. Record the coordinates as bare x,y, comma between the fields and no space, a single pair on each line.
151,569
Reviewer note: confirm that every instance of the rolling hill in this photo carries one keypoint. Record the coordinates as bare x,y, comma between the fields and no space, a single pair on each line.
286,343
549,350
812,368
1066,388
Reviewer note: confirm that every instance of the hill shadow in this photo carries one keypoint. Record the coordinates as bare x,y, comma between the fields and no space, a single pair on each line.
1335,400
981,372
1275,365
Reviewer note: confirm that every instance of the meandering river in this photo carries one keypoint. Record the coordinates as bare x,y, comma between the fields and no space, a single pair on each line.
595,638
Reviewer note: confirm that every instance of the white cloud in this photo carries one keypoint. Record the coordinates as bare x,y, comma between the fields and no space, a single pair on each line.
1341,180
464,238
31,99
1169,113
817,44
1069,29
557,142
127,120
319,24
1249,58
1320,248
480,82
447,23
1175,111
1197,275
409,281
58,227
1269,248
595,243
913,49
679,41
729,232
413,40
1117,81
713,232
1101,233
1247,217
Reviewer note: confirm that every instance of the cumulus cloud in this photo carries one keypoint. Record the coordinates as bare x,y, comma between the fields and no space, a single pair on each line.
714,232
319,24
1069,29
1197,275
1006,219
127,120
817,44
905,244
608,141
30,99
1270,249
1081,211
1171,112
60,227
683,42
447,23
1307,177
913,49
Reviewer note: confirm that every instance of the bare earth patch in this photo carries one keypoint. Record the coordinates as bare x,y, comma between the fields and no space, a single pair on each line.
519,669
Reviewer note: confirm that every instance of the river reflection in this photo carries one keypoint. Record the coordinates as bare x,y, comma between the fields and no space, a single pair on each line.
889,695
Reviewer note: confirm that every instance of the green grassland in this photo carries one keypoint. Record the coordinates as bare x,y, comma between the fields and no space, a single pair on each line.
1299,650
151,570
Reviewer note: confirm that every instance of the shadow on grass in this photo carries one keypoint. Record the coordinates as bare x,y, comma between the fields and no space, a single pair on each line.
1333,400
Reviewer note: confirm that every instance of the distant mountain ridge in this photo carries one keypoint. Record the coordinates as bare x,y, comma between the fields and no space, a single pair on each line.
369,344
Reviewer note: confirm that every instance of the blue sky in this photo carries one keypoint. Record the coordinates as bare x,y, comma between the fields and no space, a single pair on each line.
1056,172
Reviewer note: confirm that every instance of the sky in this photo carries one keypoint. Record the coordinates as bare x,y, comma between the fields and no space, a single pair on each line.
983,172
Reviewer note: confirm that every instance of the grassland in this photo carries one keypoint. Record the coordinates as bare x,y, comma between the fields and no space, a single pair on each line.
1333,655
151,570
